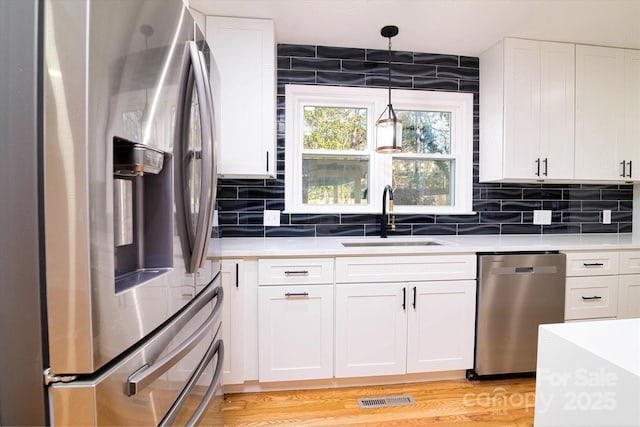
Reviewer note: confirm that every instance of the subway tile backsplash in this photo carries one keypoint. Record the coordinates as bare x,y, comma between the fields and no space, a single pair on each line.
500,208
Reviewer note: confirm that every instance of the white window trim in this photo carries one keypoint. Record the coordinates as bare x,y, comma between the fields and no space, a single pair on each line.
375,100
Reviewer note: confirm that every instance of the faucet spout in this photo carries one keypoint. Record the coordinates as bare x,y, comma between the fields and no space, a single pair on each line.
384,218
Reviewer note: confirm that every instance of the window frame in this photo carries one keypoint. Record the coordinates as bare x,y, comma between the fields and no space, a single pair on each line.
459,104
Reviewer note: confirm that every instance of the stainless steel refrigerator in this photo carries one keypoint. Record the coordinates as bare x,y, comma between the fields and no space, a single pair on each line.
110,295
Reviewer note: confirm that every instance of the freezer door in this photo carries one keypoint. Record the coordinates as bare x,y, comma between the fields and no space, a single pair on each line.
150,386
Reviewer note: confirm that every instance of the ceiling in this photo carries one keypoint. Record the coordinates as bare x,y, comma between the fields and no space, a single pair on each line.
461,27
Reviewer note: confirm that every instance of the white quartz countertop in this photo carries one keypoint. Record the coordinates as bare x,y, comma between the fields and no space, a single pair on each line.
588,374
333,246
616,341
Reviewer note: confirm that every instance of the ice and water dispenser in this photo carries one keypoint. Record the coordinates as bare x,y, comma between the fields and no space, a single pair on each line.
142,206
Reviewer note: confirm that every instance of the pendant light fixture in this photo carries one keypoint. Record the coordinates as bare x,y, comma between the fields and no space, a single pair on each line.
388,126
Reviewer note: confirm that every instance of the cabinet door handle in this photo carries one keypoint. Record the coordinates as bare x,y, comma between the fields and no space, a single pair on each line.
546,164
296,273
414,297
237,275
591,298
624,169
296,294
593,264
404,299
267,161
630,168
538,167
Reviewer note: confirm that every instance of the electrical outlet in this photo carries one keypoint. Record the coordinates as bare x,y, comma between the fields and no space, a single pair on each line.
606,216
542,217
271,218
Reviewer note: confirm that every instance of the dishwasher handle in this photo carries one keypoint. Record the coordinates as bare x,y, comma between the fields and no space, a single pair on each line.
538,269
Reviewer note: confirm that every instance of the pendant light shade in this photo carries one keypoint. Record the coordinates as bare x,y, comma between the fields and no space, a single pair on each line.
388,126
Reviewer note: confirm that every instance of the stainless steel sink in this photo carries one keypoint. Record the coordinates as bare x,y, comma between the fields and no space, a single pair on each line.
390,243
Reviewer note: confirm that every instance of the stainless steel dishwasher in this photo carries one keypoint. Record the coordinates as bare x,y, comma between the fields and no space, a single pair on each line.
517,292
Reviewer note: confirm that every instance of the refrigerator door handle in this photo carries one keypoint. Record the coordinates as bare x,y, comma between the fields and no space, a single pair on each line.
216,347
196,236
148,374
209,179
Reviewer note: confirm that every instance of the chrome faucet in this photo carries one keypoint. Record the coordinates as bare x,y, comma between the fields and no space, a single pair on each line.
384,218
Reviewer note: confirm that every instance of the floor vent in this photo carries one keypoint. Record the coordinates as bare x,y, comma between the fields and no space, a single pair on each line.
385,402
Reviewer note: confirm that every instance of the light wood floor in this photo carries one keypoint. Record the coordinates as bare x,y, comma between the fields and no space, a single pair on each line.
445,403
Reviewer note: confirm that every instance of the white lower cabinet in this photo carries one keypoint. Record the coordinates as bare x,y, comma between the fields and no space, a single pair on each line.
295,319
371,329
295,337
602,285
386,316
233,319
441,326
398,328
629,297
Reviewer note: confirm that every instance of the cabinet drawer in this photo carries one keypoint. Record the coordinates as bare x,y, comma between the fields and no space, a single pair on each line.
591,297
405,268
301,271
630,262
592,263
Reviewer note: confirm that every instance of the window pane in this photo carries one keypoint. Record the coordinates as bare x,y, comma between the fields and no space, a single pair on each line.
335,128
426,132
422,182
333,180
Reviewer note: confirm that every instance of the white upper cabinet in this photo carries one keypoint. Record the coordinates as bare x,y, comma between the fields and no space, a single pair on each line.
600,113
631,147
244,88
557,110
607,113
527,111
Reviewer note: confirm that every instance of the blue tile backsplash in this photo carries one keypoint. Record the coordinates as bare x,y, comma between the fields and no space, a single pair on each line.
500,208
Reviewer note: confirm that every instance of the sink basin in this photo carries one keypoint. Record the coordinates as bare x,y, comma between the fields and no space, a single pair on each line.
390,243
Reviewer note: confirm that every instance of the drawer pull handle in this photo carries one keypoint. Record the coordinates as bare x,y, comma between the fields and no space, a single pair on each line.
593,264
296,294
591,298
296,273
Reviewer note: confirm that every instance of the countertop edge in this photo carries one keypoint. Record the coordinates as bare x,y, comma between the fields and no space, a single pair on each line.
270,247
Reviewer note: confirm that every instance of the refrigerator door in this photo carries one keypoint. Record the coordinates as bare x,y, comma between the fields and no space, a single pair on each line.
149,386
113,73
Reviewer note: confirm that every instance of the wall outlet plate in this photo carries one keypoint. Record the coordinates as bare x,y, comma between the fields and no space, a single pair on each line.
271,218
542,217
606,216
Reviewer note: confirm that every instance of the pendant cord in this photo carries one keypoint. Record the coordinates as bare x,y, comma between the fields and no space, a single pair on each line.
389,75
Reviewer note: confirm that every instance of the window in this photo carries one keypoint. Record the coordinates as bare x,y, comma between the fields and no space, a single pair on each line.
331,163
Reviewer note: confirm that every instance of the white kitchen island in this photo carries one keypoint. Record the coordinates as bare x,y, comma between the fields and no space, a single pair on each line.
588,374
